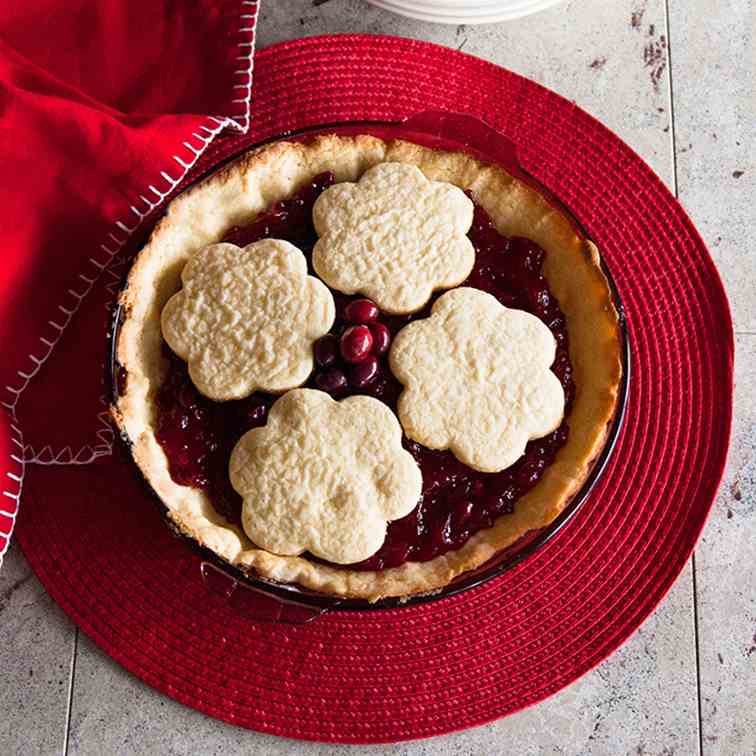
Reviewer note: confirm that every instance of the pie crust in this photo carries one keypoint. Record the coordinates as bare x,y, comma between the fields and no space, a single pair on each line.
247,187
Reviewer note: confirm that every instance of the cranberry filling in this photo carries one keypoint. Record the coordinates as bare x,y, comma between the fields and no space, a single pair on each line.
198,435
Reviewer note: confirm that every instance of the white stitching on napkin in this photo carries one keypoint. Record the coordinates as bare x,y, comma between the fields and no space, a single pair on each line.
16,485
111,247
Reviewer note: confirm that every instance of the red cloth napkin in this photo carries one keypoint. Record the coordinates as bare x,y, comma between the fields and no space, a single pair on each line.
103,109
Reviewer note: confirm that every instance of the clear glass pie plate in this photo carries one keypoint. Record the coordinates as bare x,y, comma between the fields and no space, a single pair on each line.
264,600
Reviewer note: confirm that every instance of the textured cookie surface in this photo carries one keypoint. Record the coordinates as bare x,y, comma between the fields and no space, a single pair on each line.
246,318
324,476
477,379
394,236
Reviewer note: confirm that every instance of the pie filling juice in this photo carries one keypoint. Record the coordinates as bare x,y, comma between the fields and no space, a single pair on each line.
198,435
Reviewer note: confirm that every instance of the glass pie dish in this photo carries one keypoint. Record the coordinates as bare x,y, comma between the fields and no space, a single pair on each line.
263,599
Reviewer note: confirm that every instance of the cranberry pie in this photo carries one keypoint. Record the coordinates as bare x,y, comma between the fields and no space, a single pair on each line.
365,366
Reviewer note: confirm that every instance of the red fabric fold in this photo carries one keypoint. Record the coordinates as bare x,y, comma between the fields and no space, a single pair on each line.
103,107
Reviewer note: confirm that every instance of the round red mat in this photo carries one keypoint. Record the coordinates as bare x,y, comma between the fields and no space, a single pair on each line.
101,550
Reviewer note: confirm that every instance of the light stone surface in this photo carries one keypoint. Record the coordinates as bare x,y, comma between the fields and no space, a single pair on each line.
604,55
714,85
36,649
726,583
714,80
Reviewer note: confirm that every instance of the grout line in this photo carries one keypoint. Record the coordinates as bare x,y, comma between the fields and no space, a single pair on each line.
673,145
671,102
745,333
72,680
698,654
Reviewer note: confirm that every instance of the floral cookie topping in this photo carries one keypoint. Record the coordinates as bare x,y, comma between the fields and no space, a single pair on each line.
324,476
246,318
477,379
394,236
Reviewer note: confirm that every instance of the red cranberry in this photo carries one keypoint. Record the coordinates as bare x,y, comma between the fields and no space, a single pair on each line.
256,414
332,381
461,513
381,338
362,374
361,311
425,549
187,396
528,472
356,343
381,388
441,532
396,554
502,502
326,350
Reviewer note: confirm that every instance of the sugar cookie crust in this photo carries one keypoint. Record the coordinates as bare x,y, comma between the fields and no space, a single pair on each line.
324,476
246,319
394,236
477,380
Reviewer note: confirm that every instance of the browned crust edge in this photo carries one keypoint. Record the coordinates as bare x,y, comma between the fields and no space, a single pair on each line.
250,184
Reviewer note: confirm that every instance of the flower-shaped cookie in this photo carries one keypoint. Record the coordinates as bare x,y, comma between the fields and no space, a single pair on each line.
477,379
324,476
246,319
394,236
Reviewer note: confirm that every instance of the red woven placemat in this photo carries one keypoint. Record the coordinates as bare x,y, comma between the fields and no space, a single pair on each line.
100,548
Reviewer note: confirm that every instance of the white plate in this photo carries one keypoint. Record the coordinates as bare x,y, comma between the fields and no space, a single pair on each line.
464,7
464,11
